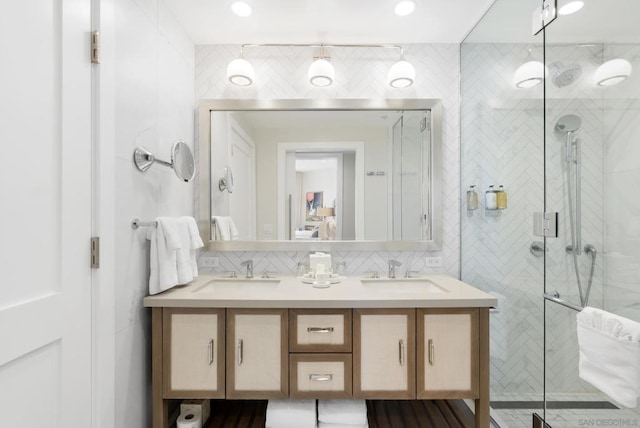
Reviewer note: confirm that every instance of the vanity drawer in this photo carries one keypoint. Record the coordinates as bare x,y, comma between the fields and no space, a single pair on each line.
319,330
320,376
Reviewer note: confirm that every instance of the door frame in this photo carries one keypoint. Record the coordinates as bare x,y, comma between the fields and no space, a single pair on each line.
103,217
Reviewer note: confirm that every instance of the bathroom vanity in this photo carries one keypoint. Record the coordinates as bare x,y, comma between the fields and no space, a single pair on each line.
419,338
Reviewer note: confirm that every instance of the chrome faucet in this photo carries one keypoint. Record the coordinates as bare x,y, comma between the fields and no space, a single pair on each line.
393,264
249,265
409,273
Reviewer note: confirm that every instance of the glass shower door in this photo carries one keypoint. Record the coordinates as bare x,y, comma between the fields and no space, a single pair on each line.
592,171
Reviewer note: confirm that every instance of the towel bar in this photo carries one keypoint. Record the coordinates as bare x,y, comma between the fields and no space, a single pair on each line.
555,297
136,223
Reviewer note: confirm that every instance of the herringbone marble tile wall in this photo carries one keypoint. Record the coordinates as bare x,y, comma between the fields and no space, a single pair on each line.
281,73
502,143
502,134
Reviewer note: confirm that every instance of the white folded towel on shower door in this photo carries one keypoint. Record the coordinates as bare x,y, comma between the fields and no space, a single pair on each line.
224,229
610,354
172,254
291,414
344,412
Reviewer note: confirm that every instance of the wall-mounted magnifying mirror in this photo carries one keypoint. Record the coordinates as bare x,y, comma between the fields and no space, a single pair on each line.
226,182
181,160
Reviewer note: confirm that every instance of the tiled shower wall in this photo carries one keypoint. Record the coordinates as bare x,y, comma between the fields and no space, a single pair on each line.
281,73
502,143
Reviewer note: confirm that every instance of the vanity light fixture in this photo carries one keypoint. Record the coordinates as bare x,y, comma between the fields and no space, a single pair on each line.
401,74
567,7
240,72
612,72
405,7
321,72
529,74
241,9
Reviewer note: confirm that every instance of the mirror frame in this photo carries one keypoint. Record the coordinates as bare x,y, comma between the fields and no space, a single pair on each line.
205,180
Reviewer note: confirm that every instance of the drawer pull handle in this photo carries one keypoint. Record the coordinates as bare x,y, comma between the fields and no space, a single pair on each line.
320,329
401,352
432,352
321,377
210,349
240,352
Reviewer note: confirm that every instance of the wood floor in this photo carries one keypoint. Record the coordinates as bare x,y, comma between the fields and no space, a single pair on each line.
381,414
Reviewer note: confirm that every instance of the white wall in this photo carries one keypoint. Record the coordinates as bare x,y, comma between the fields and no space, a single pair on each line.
154,105
360,74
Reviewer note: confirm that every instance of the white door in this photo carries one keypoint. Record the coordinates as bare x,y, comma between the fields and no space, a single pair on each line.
45,192
242,200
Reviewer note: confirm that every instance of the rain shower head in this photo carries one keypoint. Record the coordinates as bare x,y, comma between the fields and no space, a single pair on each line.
564,75
568,123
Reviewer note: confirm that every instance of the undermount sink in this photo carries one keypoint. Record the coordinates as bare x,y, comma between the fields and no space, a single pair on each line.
402,286
239,285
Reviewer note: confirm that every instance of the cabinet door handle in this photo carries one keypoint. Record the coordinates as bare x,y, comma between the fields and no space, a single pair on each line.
321,377
240,352
432,352
210,349
320,329
401,352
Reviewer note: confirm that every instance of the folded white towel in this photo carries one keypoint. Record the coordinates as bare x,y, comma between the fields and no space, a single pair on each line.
349,412
224,229
330,425
291,414
610,354
171,259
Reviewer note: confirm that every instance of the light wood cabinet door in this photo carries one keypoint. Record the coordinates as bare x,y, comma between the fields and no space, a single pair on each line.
384,353
448,353
257,353
320,330
193,348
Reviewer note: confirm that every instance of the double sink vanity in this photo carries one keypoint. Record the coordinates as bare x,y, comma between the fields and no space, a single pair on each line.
364,338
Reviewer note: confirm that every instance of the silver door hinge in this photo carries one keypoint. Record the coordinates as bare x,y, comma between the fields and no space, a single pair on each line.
543,15
95,252
423,124
95,47
545,224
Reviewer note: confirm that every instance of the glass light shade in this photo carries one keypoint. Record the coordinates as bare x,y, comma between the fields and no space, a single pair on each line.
529,74
401,74
405,7
612,72
241,8
240,72
567,7
321,73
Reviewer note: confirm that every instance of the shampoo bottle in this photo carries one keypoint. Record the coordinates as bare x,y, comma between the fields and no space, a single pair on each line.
472,198
490,199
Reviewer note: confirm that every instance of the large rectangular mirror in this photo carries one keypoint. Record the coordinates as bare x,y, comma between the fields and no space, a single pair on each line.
320,174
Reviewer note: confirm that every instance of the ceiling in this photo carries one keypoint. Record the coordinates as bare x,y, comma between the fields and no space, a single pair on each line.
328,21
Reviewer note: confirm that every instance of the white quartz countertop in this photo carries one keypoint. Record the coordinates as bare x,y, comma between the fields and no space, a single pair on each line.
426,291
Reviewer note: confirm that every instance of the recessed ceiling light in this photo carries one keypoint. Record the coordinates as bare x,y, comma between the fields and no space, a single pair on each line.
570,7
405,7
241,8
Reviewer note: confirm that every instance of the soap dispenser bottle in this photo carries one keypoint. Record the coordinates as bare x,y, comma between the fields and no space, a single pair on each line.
490,199
501,198
472,198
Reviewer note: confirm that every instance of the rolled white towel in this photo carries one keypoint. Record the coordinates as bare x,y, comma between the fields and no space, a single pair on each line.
610,354
291,414
330,425
344,412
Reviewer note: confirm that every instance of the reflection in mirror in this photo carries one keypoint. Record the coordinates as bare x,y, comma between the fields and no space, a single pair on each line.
325,174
